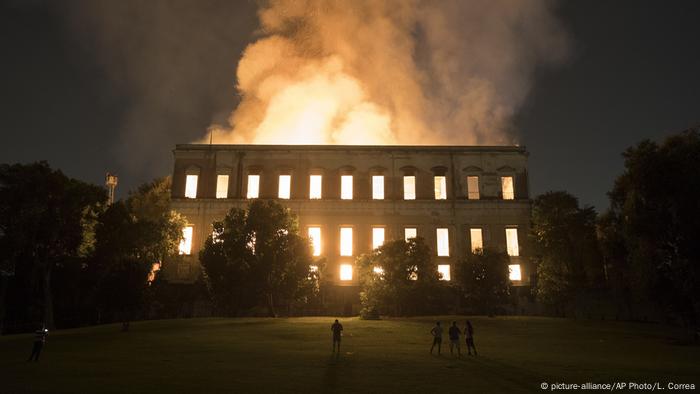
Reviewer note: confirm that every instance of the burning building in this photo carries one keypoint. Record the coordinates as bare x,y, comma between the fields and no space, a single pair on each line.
350,199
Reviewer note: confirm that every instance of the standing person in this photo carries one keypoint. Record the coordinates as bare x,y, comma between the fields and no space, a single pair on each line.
39,341
454,333
337,329
469,336
437,337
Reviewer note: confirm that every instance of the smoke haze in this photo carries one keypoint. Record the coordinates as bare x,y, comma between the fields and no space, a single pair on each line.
314,71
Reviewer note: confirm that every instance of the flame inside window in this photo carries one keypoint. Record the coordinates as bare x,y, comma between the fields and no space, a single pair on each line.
346,241
315,236
315,182
477,239
409,187
285,186
191,186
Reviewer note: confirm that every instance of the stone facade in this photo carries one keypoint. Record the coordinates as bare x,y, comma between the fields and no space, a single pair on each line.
487,211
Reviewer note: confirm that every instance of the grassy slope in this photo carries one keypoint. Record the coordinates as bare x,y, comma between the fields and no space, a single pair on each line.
278,355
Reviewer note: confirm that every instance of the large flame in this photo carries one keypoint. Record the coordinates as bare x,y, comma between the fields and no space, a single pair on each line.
389,72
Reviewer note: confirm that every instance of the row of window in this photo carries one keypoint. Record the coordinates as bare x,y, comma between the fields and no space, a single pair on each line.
346,187
346,272
378,236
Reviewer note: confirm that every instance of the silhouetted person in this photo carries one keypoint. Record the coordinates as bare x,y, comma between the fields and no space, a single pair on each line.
437,337
469,337
39,341
454,332
337,329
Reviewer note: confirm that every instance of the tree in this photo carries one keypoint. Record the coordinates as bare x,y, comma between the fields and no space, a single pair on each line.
257,258
483,280
42,214
400,278
651,228
565,246
132,238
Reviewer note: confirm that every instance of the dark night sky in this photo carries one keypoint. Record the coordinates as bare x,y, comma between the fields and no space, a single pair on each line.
68,96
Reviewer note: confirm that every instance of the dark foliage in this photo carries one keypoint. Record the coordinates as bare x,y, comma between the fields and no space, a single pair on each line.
258,259
483,281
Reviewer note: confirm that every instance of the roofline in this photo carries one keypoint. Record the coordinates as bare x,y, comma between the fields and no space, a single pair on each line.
263,147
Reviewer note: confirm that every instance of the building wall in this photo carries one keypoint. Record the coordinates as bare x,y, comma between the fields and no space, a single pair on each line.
491,212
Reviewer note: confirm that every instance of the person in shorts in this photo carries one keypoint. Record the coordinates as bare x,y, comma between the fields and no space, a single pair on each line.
454,333
436,332
337,329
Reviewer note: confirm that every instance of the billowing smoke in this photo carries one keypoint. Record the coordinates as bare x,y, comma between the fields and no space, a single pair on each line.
390,71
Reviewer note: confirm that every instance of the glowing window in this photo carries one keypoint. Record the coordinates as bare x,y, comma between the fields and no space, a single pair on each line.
440,188
443,242
473,187
409,187
346,187
378,270
410,232
377,237
285,186
222,186
444,270
514,272
315,182
507,187
186,241
378,187
315,236
346,241
346,272
191,186
253,186
512,242
477,239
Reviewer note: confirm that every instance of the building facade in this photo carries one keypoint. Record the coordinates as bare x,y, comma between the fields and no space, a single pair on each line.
350,199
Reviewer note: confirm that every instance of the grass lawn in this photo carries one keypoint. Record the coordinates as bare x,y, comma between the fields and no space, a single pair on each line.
516,354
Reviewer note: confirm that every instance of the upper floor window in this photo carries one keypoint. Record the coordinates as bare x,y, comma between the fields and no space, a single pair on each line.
477,239
315,236
410,232
346,187
409,187
253,186
473,187
440,187
186,241
378,187
443,242
507,187
377,237
512,242
285,186
315,183
222,186
191,186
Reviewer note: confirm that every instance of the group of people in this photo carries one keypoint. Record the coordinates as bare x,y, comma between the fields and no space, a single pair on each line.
454,333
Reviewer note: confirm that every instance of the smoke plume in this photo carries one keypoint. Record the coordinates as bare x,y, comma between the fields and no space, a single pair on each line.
390,71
